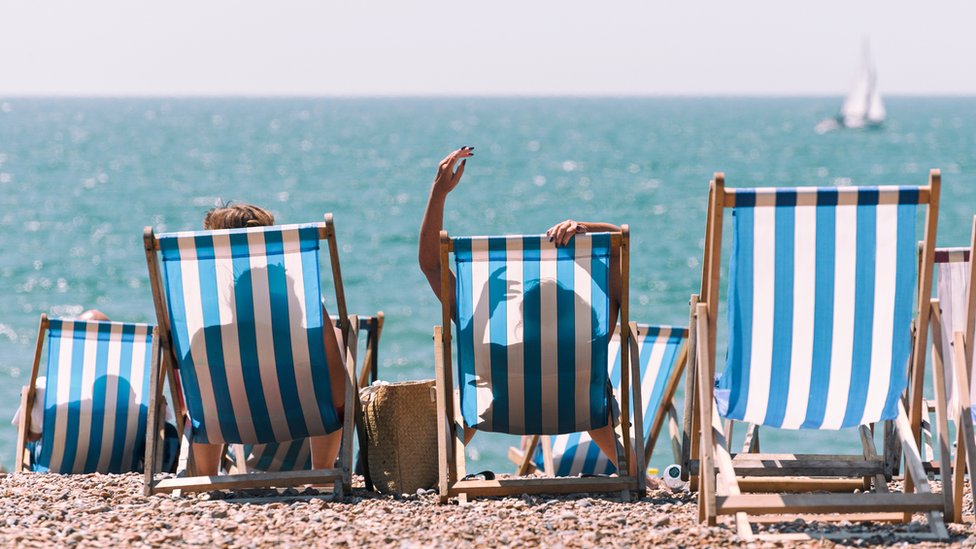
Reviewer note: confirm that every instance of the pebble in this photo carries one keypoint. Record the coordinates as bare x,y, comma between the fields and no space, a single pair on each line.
110,511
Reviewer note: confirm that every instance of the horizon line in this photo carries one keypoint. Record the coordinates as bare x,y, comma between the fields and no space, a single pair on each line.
756,95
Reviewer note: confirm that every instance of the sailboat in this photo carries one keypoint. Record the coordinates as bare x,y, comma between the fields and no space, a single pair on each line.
863,107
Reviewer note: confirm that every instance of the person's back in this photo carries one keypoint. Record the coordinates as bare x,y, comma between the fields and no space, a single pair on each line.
325,449
445,181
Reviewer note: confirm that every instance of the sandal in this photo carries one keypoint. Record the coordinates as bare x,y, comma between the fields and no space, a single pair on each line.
483,475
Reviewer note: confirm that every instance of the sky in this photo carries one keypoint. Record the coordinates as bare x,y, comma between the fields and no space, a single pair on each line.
503,47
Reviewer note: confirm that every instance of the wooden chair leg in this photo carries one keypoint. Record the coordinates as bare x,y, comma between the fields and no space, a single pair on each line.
638,445
967,446
674,431
953,510
726,480
958,475
689,425
706,473
870,452
22,426
27,396
444,430
915,471
528,453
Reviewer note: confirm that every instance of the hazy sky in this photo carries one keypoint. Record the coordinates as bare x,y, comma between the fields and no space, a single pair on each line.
520,47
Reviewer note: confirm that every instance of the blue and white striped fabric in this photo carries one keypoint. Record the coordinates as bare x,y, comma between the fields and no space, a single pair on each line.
953,286
533,333
294,455
659,347
247,327
821,290
97,397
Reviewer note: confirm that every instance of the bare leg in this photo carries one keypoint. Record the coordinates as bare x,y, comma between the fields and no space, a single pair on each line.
325,449
206,458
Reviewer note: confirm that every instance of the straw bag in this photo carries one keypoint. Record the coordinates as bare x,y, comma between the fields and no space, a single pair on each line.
401,435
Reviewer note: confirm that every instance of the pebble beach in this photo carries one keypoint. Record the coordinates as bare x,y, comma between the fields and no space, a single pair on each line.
110,511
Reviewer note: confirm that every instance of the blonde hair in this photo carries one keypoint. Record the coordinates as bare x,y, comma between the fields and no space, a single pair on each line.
237,216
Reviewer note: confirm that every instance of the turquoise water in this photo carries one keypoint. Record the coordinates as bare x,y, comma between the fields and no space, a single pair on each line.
80,178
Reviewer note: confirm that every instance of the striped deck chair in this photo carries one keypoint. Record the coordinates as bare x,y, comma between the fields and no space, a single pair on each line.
533,344
96,400
242,323
821,290
953,322
661,352
295,455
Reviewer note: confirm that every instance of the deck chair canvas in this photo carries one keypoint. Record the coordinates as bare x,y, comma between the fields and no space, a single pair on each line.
295,455
241,321
532,346
953,321
661,353
821,289
96,399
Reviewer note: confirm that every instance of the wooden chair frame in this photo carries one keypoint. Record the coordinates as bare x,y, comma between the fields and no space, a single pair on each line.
719,474
341,475
28,394
450,430
665,412
962,371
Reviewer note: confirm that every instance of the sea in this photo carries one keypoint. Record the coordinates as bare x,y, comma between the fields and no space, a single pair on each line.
80,178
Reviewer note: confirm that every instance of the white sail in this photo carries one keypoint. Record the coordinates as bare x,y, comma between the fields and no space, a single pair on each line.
855,108
876,108
863,105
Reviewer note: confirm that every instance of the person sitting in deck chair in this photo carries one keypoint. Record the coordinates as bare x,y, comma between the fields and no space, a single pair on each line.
33,436
325,449
445,181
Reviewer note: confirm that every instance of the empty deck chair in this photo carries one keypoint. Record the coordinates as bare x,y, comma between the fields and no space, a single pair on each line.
242,323
661,352
953,321
533,344
96,400
295,455
822,283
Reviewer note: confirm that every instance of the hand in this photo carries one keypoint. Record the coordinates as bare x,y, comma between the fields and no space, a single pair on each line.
447,178
561,233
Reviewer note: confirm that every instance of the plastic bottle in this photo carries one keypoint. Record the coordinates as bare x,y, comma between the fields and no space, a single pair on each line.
672,476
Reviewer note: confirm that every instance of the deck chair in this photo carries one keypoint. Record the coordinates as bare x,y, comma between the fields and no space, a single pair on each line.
953,321
533,344
242,323
661,351
820,299
295,455
96,399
